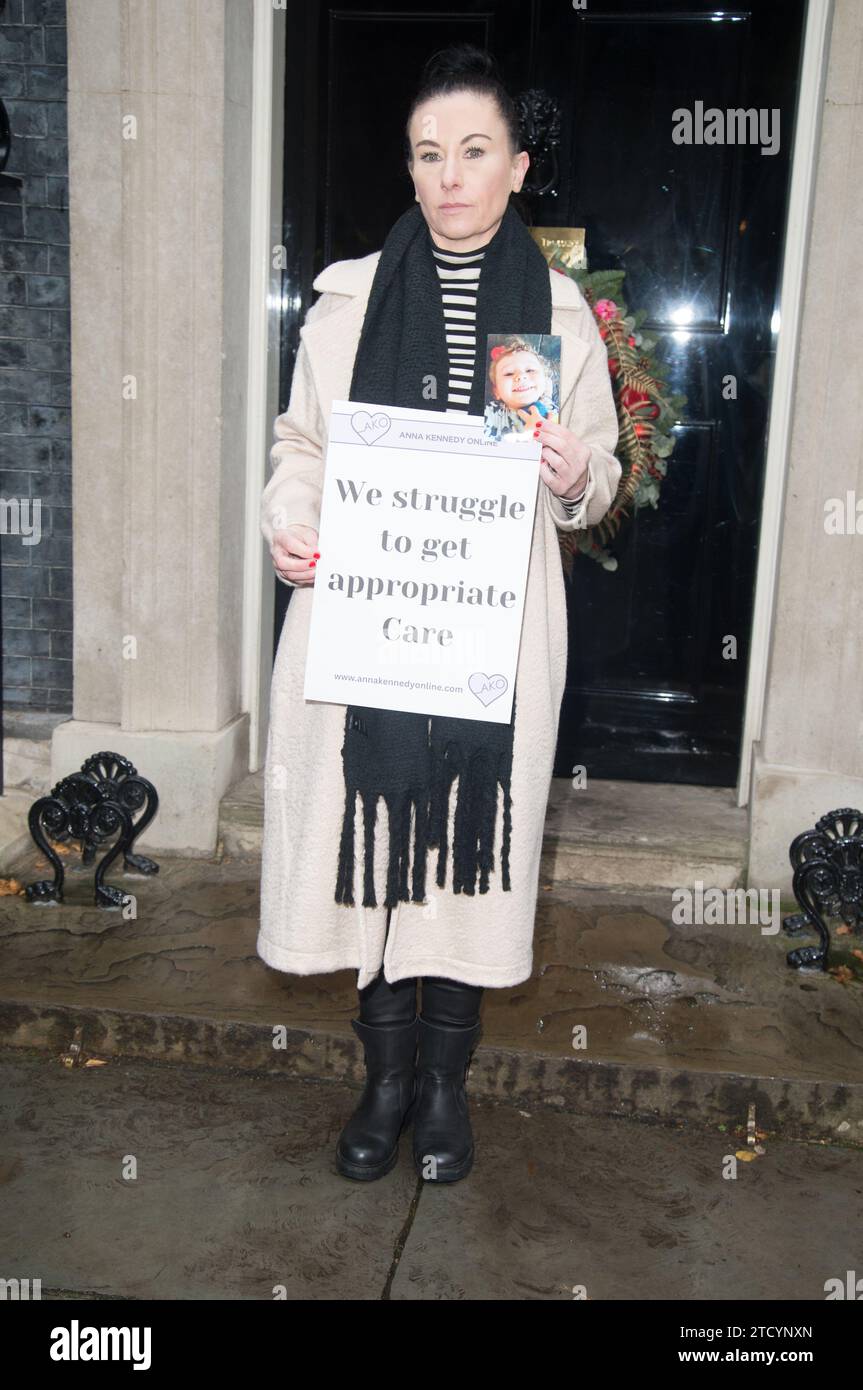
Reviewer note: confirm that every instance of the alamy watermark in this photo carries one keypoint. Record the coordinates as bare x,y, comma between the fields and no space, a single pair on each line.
718,906
15,518
736,126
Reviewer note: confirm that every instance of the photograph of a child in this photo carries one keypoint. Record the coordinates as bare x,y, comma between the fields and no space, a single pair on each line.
522,383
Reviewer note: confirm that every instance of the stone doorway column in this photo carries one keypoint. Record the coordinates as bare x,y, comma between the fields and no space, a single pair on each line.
809,759
159,134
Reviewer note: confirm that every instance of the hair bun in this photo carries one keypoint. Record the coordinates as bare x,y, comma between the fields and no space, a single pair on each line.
460,60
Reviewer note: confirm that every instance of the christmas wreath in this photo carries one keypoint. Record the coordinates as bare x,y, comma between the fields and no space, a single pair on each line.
646,412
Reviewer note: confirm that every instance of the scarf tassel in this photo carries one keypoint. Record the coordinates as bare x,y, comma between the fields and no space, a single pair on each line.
345,873
474,821
474,825
401,810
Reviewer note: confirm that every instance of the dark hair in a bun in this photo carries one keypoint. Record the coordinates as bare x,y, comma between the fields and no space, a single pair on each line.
462,67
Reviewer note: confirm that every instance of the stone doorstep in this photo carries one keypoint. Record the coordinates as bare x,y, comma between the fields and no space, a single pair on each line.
631,835
627,835
796,1107
562,864
613,866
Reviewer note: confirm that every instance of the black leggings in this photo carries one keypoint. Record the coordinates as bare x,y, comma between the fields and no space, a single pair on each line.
448,1002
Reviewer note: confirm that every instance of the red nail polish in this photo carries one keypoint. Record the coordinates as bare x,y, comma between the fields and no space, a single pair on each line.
317,554
311,564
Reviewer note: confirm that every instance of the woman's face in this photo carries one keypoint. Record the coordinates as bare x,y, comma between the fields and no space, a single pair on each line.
462,169
519,379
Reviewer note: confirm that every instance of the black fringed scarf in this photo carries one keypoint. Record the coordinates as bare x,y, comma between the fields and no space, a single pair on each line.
412,760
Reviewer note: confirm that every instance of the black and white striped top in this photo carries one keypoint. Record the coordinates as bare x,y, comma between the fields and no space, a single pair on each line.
458,273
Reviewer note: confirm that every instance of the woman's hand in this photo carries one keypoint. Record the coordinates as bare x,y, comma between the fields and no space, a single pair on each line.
564,459
295,554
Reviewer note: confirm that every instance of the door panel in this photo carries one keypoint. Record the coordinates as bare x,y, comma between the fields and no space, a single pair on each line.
698,229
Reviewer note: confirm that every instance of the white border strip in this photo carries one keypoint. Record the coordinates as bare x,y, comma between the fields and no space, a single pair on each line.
804,169
264,289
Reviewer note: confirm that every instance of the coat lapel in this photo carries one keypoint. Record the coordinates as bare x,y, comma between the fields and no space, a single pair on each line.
331,340
573,354
331,344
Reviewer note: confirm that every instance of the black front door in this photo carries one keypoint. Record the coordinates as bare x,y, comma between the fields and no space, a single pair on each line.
658,648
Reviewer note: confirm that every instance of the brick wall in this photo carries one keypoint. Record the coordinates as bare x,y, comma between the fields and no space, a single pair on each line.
35,418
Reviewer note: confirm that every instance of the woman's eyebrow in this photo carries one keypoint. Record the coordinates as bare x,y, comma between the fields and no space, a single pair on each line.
477,134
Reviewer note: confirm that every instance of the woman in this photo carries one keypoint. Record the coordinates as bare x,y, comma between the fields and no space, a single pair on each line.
458,265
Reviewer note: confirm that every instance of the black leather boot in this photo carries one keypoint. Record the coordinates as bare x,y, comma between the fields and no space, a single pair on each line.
443,1146
369,1143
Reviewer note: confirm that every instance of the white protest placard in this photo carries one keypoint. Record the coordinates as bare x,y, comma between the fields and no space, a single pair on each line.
425,538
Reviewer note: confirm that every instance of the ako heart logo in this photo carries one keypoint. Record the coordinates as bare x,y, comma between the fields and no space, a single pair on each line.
487,689
370,428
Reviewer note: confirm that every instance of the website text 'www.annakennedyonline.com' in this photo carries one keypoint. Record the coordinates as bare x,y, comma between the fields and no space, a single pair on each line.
411,685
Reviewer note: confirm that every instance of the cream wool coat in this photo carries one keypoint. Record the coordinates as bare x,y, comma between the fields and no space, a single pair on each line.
486,939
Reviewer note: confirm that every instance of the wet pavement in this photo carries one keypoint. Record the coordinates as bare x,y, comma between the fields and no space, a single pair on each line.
679,1021
195,1160
145,1180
